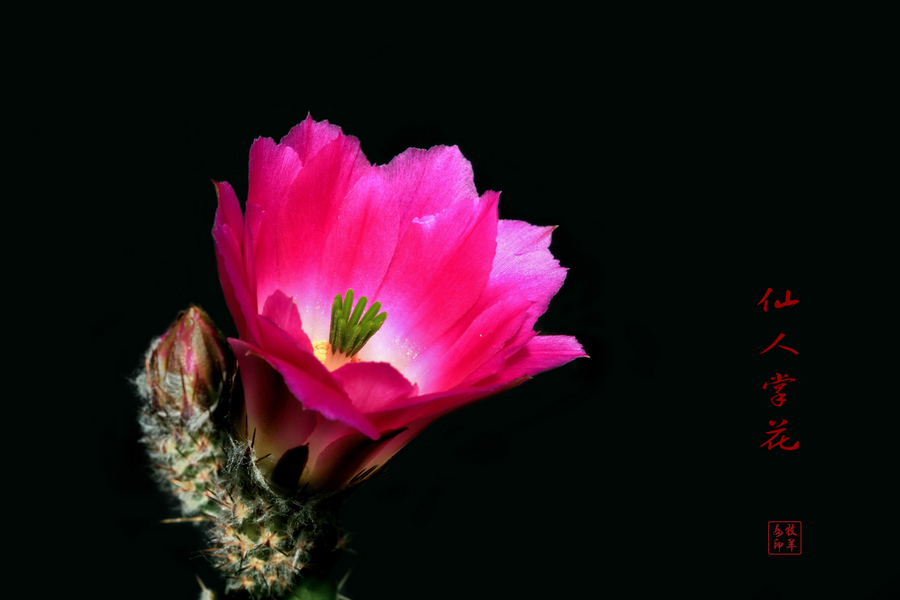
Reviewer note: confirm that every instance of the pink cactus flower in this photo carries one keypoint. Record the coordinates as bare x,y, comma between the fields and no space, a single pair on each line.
458,292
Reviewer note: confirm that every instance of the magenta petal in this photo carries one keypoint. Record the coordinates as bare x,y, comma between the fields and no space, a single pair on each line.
425,182
469,344
315,395
221,236
311,391
498,362
361,248
229,210
284,341
282,311
373,386
273,168
291,243
309,137
417,412
524,265
391,443
542,353
229,253
241,301
421,412
276,421
347,459
438,272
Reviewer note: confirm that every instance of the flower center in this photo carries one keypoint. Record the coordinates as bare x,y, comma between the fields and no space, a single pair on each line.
350,330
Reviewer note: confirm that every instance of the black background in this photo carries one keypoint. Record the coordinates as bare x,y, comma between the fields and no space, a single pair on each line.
687,170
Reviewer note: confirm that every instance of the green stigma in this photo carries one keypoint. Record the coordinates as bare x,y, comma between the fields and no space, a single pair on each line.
350,329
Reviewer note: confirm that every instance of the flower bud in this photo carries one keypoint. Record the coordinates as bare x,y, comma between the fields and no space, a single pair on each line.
188,365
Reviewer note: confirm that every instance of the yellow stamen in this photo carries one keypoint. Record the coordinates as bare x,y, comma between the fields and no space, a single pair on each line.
322,350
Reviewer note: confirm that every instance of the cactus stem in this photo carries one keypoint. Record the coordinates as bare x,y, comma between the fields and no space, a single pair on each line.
259,538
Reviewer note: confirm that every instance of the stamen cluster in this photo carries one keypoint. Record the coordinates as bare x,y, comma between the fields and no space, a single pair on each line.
349,333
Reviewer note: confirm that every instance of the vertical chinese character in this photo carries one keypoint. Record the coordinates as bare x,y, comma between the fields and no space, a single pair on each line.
778,339
778,304
784,438
778,382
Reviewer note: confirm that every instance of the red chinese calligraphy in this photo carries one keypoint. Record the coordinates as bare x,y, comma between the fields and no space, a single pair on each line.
784,438
778,339
778,383
778,303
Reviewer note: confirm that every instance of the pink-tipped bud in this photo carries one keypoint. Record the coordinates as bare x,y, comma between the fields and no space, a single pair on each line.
188,365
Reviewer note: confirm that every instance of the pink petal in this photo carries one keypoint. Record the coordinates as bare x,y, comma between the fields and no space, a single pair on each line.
285,342
373,386
229,210
525,266
524,277
238,295
439,270
408,421
361,244
273,168
282,312
310,390
292,240
474,340
250,266
309,137
425,182
542,353
228,220
225,246
417,412
276,421
391,443
497,362
522,267
345,458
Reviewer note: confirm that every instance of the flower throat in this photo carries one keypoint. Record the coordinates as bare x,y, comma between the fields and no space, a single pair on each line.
350,330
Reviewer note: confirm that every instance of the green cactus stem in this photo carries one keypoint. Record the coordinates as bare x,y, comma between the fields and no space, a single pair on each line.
264,541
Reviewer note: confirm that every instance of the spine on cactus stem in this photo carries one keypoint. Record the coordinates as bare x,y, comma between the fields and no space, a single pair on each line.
263,541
